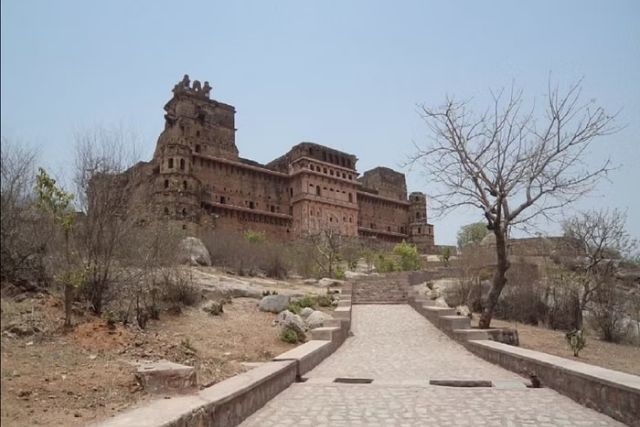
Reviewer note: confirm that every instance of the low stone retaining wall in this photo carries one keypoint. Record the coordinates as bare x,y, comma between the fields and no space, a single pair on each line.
613,393
229,402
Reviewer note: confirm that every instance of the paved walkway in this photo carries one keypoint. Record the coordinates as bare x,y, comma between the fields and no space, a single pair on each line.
401,351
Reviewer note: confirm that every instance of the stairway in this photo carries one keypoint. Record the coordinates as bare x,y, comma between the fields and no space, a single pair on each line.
386,289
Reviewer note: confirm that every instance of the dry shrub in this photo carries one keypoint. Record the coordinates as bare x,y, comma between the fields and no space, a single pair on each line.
177,287
607,313
522,298
248,255
563,306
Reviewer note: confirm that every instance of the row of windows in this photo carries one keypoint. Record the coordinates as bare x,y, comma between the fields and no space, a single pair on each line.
231,169
318,191
245,216
333,158
332,218
331,172
184,184
170,163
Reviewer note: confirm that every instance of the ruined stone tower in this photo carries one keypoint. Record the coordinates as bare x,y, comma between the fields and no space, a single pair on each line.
420,231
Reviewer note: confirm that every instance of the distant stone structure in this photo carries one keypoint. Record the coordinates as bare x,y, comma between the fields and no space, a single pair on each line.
197,177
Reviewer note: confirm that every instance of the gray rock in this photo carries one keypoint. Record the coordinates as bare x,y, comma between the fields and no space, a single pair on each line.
354,274
440,302
325,281
317,319
287,319
463,310
310,281
305,312
274,303
193,252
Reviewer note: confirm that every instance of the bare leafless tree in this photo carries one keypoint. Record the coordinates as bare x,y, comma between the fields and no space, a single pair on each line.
327,245
604,240
512,164
102,156
23,234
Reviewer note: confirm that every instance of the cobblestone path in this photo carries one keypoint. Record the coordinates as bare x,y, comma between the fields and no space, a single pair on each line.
401,351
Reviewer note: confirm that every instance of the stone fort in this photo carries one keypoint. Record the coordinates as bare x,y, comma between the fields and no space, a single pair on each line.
197,177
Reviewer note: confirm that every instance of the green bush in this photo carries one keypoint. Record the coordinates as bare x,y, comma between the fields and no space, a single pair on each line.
294,307
288,335
340,273
325,301
254,236
384,264
409,259
307,301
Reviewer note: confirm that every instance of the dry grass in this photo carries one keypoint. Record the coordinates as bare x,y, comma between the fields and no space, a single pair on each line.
77,378
620,357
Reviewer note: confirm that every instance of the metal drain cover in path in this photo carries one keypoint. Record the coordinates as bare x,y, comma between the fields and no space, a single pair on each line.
462,383
353,380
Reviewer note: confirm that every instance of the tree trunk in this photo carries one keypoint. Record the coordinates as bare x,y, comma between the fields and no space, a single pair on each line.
499,278
68,300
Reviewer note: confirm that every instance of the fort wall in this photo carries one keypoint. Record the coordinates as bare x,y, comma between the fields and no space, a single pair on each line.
197,177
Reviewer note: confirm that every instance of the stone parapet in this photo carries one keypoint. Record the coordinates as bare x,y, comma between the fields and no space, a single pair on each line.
613,393
230,402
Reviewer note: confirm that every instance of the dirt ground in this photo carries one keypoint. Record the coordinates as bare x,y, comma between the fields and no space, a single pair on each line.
620,357
68,379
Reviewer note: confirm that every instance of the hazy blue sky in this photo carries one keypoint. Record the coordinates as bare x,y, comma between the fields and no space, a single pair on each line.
347,74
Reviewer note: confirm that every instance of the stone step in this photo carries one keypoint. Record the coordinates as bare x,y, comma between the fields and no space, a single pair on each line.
454,322
435,312
325,333
470,334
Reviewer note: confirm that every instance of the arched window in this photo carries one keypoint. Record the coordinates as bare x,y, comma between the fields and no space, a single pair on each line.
350,198
317,190
170,163
184,212
166,183
182,164
166,211
184,185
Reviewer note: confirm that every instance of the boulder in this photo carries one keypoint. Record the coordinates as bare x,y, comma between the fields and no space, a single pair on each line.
326,281
353,274
274,303
310,281
287,319
306,312
440,302
193,252
433,294
463,310
317,319
214,307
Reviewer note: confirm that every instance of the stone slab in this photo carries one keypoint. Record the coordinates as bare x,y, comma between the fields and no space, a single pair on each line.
307,355
454,322
324,333
221,405
164,377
